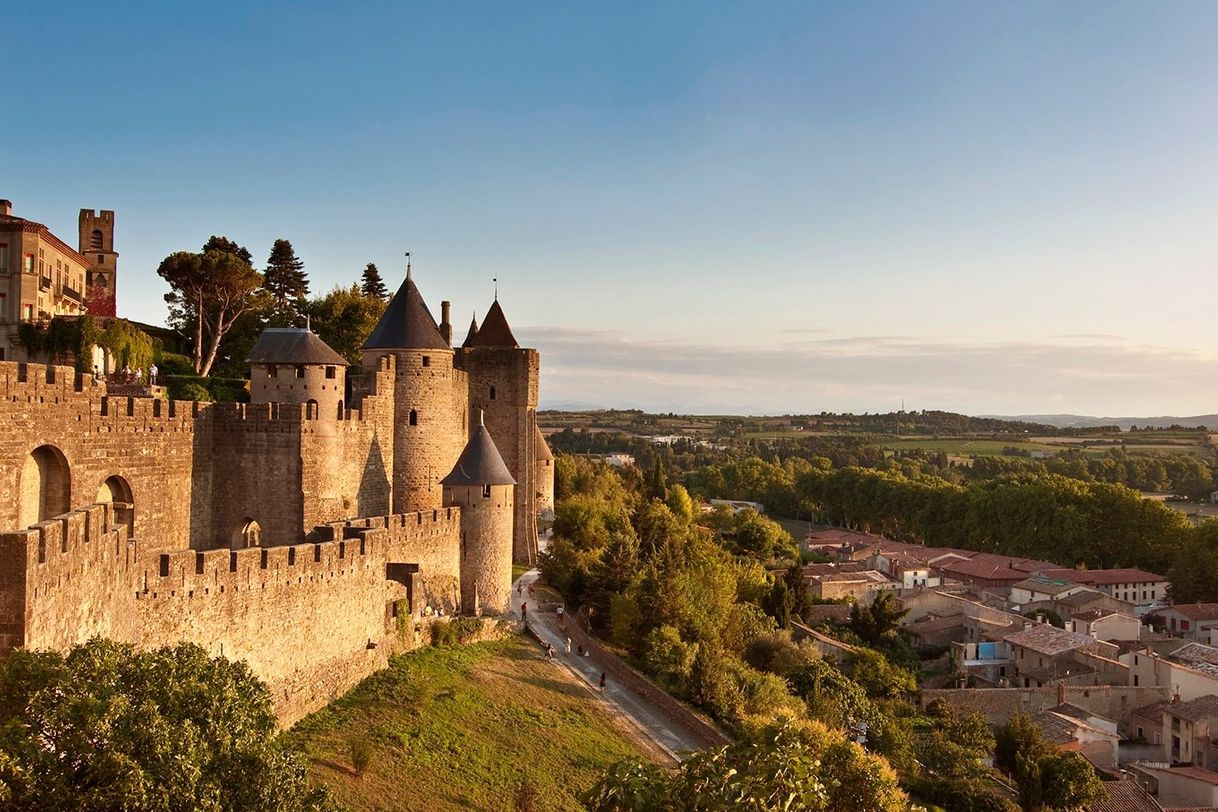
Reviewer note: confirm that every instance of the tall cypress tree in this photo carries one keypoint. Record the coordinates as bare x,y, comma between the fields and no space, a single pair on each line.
372,285
285,276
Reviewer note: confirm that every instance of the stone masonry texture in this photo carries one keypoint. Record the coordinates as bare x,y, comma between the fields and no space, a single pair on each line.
129,517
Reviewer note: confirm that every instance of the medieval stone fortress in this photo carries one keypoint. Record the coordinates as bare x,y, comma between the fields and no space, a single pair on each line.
306,531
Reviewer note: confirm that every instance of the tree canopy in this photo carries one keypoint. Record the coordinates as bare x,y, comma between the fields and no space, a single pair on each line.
285,279
344,318
210,291
110,727
803,766
371,283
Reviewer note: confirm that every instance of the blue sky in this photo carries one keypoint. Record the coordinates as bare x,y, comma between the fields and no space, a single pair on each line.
745,207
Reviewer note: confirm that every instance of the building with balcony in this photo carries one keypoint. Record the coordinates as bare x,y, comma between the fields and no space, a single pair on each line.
41,276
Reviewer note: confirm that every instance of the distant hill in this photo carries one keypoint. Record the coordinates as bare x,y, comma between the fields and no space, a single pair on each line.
1080,421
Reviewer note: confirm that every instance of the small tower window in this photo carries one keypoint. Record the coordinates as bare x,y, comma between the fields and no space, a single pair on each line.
426,360
492,393
271,371
95,240
486,491
414,417
300,370
330,372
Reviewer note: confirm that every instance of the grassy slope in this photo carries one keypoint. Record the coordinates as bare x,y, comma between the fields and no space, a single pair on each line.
458,728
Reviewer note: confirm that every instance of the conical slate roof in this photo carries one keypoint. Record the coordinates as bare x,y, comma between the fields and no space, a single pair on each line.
494,331
407,323
473,331
480,463
293,345
543,448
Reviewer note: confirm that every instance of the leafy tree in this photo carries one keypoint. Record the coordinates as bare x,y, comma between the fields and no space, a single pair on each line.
832,697
785,767
797,588
211,290
110,727
285,278
371,284
226,246
657,481
344,318
1047,779
669,659
879,678
1069,782
779,603
879,620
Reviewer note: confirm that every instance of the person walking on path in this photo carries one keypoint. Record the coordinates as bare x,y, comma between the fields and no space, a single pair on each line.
524,611
568,645
152,371
602,682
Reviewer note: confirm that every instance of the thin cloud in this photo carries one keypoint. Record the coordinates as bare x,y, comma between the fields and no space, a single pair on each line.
1093,375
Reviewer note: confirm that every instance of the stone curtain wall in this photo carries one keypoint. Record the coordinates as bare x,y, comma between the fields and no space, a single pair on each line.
149,443
67,580
310,619
307,618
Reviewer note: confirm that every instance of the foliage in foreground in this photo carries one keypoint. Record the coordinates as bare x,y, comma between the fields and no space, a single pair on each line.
1047,779
110,727
803,766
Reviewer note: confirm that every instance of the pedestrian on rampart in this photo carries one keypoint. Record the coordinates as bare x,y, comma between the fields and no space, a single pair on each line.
602,682
568,645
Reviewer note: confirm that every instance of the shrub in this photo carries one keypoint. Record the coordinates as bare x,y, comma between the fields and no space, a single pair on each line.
455,631
360,750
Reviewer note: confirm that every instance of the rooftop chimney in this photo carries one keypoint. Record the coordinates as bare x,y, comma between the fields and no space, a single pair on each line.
6,207
446,328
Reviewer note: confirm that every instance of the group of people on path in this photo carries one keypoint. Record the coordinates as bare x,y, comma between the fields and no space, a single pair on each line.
549,649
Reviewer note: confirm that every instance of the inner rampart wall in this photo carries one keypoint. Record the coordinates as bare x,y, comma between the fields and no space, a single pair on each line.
150,443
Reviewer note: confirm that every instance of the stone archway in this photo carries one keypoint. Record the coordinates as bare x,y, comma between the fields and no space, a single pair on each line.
247,534
116,491
45,486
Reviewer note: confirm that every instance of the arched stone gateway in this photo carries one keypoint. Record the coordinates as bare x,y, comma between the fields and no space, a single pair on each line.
45,486
247,534
116,491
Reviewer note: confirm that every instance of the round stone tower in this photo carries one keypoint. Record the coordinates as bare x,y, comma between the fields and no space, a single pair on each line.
293,365
428,416
481,486
543,475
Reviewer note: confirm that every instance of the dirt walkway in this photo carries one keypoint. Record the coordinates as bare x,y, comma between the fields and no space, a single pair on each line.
671,738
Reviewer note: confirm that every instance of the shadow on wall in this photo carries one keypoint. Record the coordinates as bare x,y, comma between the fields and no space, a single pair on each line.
46,486
373,497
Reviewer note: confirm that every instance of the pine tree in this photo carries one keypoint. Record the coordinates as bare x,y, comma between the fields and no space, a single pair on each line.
372,285
285,276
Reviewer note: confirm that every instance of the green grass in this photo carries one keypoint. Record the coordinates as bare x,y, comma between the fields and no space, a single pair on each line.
520,569
461,728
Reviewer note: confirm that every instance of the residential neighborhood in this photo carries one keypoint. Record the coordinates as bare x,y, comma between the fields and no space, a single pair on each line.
1101,660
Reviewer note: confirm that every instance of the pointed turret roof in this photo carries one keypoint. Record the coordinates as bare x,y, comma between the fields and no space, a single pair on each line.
494,331
543,448
480,463
407,324
473,331
293,345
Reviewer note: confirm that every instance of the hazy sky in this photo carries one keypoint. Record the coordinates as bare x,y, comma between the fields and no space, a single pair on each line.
743,207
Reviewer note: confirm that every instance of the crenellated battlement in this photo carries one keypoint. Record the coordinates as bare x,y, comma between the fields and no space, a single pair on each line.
171,478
